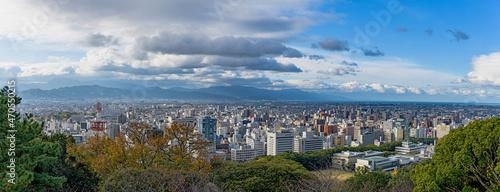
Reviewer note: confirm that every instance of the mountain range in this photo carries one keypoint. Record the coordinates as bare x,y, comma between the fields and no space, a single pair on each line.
92,92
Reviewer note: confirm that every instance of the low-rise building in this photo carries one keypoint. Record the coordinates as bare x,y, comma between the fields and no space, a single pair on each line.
243,154
341,160
410,148
377,162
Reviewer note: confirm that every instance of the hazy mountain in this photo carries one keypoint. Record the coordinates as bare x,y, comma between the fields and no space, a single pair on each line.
91,92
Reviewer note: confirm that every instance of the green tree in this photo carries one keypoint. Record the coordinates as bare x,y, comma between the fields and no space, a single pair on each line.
32,154
466,158
260,175
367,181
79,177
150,179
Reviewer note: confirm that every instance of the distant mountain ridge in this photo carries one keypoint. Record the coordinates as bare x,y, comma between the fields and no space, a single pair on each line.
91,92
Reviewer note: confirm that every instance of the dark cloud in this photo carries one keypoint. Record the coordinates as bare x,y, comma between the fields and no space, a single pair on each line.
349,63
185,44
125,68
429,32
99,40
342,70
334,44
458,35
269,24
401,29
316,57
263,64
374,53
314,45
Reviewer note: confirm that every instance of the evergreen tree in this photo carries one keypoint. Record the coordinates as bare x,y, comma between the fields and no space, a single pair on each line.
32,155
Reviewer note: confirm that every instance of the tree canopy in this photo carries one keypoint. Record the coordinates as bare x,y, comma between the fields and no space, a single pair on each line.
32,154
465,159
260,175
177,148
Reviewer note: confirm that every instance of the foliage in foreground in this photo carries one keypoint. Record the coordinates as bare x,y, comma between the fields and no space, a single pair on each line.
142,149
466,159
41,163
131,179
260,175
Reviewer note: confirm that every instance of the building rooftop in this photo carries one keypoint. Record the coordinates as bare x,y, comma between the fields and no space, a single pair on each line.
377,159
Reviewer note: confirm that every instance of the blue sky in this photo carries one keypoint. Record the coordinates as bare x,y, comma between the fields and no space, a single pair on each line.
432,50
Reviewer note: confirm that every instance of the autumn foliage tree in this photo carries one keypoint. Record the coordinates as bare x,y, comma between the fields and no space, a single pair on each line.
178,147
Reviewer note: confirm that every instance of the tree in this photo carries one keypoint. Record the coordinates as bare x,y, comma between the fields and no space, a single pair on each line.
466,158
150,179
32,154
189,150
177,148
79,177
260,175
401,178
367,181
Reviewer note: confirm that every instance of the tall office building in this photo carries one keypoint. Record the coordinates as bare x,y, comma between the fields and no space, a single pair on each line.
307,143
278,143
256,144
366,138
121,119
208,127
399,134
246,113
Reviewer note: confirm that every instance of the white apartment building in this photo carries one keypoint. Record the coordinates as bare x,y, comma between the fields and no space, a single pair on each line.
278,143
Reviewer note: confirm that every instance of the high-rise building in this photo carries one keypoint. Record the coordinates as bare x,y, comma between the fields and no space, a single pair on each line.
327,129
278,143
247,113
346,114
385,115
389,136
307,143
338,140
366,138
121,119
399,134
208,127
256,144
113,130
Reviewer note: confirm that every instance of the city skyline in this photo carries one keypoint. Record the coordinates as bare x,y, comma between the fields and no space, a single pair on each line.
398,50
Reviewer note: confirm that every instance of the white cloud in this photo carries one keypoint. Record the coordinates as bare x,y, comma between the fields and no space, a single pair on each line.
431,91
414,90
378,87
485,70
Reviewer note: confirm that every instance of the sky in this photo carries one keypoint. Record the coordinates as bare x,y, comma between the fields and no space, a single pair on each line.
407,49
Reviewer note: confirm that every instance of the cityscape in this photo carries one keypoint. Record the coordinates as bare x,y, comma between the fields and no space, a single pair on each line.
263,95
